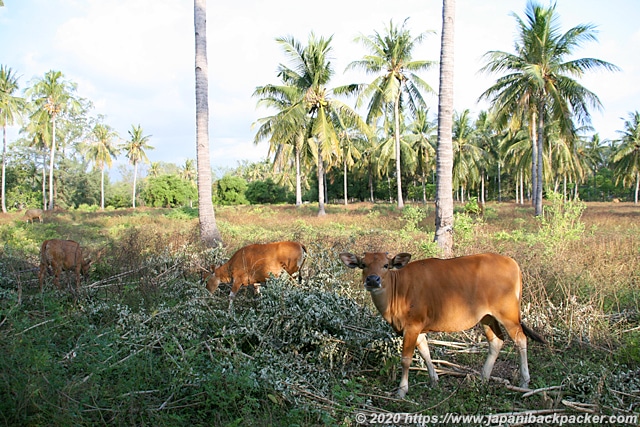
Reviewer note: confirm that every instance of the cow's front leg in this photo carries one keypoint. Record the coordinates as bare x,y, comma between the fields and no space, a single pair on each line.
423,348
408,348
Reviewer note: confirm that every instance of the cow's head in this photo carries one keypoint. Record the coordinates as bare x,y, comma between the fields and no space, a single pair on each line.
212,282
375,266
86,264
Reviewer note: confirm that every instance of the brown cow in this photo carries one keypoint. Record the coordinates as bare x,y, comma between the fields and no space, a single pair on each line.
446,295
31,214
252,265
62,255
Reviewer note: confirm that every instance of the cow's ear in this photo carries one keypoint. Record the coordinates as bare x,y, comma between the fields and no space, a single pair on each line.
400,260
350,260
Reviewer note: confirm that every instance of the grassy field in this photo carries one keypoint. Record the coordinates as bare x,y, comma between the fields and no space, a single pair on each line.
146,344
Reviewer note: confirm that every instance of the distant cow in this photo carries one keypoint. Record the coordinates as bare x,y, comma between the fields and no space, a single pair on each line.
446,295
62,255
253,264
32,214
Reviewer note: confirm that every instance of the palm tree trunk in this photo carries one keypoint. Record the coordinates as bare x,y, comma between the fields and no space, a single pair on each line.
396,113
345,183
53,153
538,209
321,211
424,188
209,233
371,184
298,183
637,187
135,176
44,182
534,158
102,187
4,156
444,154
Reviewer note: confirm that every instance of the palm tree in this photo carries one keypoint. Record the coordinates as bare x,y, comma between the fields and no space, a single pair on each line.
286,130
350,153
626,159
539,85
11,107
187,171
102,151
53,97
467,155
135,152
309,76
154,169
444,155
209,233
397,85
422,138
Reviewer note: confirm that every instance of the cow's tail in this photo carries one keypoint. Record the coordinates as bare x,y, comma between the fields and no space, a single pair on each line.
532,334
43,252
304,258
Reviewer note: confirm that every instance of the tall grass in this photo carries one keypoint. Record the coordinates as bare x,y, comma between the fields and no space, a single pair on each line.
147,344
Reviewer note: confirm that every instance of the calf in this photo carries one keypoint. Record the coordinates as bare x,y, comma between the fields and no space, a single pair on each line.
253,264
446,295
62,255
31,214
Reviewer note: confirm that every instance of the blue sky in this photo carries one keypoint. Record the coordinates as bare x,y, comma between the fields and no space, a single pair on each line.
134,58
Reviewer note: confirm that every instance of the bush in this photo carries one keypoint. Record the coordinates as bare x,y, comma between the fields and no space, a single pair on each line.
260,192
230,190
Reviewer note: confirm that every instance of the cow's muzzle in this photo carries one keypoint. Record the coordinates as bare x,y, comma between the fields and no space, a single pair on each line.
372,282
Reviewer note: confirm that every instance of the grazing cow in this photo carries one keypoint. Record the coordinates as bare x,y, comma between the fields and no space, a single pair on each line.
446,295
31,214
62,255
252,265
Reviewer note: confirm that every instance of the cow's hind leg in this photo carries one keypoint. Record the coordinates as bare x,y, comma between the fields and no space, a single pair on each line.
495,337
517,335
423,348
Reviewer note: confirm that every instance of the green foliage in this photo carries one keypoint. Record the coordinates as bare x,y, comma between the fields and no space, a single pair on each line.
168,191
413,216
473,207
561,222
185,213
464,227
230,190
260,192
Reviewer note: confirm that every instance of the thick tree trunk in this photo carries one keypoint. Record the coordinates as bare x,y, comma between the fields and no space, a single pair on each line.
209,233
444,155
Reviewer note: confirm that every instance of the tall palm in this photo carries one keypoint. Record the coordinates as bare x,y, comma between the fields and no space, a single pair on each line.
54,97
539,83
102,151
467,155
135,151
209,233
350,146
11,107
626,159
422,138
286,129
444,154
396,84
310,74
187,171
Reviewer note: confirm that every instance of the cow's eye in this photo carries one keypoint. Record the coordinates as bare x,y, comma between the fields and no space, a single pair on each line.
386,266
